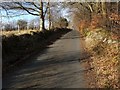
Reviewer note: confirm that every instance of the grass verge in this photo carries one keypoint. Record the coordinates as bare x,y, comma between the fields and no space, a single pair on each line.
105,57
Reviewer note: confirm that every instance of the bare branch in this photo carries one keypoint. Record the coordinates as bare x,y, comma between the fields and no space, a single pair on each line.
35,5
46,9
27,9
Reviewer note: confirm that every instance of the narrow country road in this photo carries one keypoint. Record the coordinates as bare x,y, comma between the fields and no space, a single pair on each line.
57,67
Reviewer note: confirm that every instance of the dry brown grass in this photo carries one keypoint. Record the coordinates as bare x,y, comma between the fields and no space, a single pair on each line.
21,32
106,67
105,59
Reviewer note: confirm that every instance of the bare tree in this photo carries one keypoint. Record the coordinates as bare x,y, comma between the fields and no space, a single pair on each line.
22,24
34,8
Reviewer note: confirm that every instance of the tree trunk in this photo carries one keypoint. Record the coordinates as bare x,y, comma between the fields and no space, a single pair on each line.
42,23
104,14
91,11
103,9
97,7
49,15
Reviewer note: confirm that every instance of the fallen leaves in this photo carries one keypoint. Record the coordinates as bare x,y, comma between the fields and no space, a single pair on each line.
106,63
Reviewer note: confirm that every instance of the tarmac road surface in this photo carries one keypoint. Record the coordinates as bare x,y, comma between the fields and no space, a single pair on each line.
56,67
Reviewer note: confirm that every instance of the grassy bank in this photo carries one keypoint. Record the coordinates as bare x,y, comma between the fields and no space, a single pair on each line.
16,47
105,64
17,33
